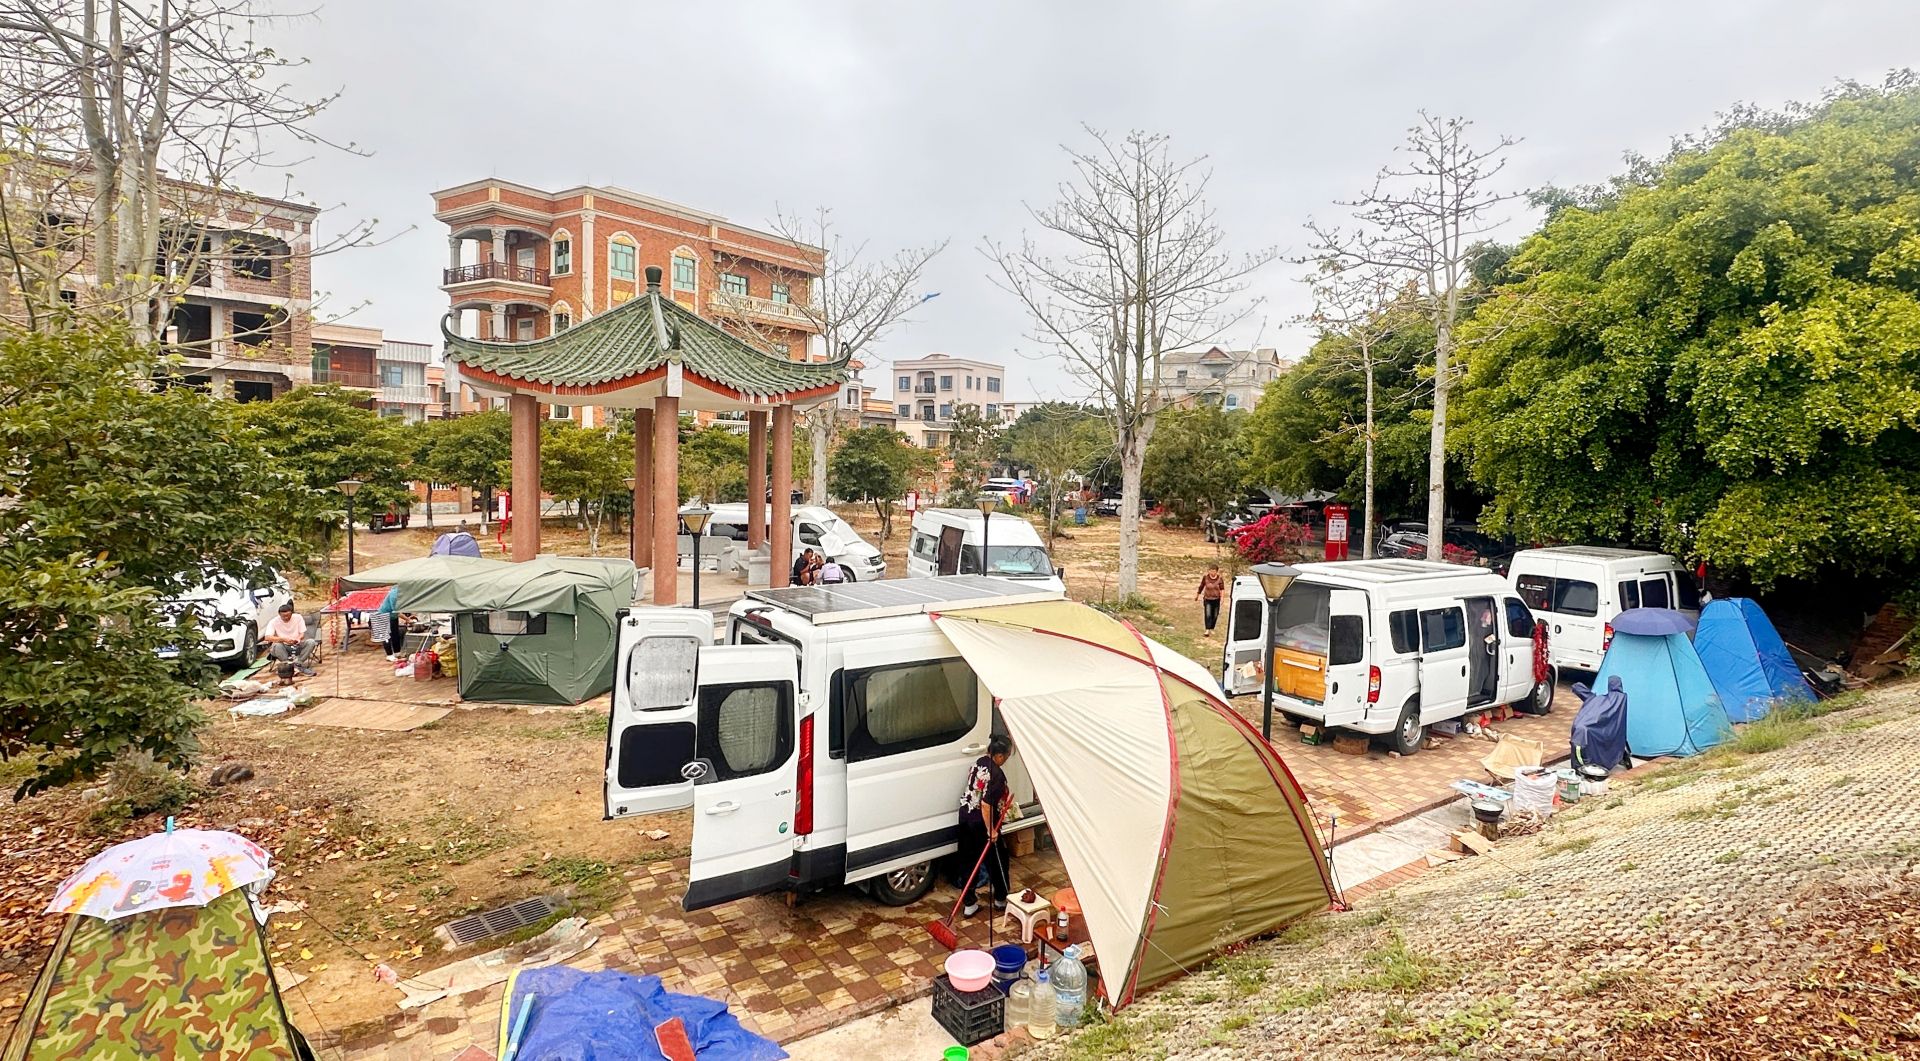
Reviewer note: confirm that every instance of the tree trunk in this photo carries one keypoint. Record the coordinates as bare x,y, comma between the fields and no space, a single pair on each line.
820,434
1437,443
884,509
1366,503
1133,457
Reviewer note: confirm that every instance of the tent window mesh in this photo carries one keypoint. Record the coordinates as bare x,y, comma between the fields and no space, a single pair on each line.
745,729
510,624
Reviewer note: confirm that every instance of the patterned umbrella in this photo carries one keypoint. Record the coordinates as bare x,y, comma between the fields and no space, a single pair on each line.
178,867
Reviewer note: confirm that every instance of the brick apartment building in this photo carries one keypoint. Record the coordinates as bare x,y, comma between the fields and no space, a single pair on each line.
523,264
398,377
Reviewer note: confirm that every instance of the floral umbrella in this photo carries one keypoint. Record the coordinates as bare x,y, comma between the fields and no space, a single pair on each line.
178,867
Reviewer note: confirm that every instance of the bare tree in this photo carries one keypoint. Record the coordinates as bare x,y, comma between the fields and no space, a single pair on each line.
128,129
1136,266
1355,305
1423,218
857,300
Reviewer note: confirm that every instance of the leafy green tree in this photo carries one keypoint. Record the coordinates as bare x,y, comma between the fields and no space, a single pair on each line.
1065,448
973,445
1722,357
471,451
588,465
875,464
1196,462
115,495
322,435
713,464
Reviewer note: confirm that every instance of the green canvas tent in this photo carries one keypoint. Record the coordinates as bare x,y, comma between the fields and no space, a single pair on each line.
185,981
536,632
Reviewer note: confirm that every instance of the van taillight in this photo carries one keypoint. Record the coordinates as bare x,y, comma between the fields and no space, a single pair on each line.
803,794
1373,685
1606,638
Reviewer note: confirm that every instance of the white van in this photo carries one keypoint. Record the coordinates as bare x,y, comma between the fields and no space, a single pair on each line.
1386,647
814,527
946,541
826,742
1579,589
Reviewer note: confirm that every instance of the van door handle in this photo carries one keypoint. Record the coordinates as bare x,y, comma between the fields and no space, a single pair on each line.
723,807
1556,628
974,749
1463,672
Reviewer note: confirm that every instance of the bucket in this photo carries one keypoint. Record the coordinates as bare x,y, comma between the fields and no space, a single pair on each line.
1009,964
1569,786
954,1053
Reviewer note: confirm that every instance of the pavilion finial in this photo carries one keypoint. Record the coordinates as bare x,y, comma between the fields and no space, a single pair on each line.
653,278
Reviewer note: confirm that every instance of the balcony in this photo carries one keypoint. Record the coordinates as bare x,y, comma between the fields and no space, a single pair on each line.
406,394
494,270
925,388
732,305
346,377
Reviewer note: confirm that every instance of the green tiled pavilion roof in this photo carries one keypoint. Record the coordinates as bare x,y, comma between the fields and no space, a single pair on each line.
638,336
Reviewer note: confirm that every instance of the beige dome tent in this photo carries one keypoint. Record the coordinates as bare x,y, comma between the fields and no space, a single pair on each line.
1180,827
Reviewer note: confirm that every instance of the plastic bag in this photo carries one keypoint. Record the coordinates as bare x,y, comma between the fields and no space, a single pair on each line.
1533,789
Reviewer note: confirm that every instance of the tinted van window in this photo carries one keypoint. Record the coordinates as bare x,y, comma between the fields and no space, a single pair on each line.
1405,629
1629,594
880,711
1519,619
1536,590
1574,597
1688,593
1442,629
1300,619
1246,620
1654,592
1347,641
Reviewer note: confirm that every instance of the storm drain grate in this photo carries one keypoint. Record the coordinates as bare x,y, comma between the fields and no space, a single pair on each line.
465,930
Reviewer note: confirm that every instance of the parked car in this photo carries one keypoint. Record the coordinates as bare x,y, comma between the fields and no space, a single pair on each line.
231,615
1107,506
394,517
1579,589
1409,541
947,541
1221,528
813,527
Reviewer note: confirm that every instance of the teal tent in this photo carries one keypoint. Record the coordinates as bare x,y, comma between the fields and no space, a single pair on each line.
537,632
1672,708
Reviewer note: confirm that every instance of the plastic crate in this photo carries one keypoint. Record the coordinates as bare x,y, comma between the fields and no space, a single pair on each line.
969,1016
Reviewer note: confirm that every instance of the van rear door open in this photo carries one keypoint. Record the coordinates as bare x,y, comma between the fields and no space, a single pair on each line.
1246,623
743,772
1348,672
650,730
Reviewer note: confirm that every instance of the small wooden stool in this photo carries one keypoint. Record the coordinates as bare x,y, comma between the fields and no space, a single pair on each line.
1028,914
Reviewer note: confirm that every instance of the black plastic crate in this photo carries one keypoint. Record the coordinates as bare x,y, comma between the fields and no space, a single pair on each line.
969,1016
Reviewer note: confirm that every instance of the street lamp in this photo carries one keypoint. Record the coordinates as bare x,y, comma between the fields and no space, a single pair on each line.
349,487
986,504
633,516
693,522
1274,580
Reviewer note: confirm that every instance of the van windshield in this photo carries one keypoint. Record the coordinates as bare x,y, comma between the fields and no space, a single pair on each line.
1013,560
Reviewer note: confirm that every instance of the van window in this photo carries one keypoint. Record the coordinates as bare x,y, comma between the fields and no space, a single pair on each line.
660,672
1246,620
1519,619
735,531
1007,560
1442,629
1536,591
1405,628
1346,640
745,729
1574,597
809,535
923,546
878,711
1300,619
1629,594
1654,592
1688,593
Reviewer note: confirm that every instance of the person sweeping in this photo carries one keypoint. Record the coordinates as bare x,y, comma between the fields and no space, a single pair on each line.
983,810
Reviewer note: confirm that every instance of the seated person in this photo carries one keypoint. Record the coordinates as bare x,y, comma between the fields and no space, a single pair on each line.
286,638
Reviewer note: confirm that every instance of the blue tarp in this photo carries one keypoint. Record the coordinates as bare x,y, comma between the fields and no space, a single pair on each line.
610,1016
1746,660
1599,734
1672,708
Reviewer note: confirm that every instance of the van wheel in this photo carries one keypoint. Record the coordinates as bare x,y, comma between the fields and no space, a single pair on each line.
1540,700
903,886
1409,733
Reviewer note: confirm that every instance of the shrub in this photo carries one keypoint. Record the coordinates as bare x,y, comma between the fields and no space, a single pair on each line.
1273,537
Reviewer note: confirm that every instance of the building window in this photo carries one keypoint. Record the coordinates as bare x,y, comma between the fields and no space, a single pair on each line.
251,258
782,294
685,273
561,322
906,383
993,385
992,410
903,409
562,257
946,383
393,376
1233,401
734,284
559,412
946,412
620,261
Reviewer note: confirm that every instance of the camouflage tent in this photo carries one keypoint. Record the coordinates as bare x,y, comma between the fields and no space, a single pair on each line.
173,983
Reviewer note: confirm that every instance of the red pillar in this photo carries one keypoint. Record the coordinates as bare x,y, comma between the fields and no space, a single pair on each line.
780,534
526,476
642,487
756,478
666,500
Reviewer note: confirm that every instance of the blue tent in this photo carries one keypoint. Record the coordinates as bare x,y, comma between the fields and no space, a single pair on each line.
455,543
1672,708
1746,659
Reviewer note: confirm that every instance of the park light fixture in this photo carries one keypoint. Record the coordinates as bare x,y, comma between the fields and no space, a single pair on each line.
693,523
986,503
1274,580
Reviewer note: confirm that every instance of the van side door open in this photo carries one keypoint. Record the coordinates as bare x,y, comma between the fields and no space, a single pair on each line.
1483,652
743,772
650,730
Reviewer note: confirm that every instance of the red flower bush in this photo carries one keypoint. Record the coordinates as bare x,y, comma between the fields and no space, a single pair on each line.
1273,537
1458,554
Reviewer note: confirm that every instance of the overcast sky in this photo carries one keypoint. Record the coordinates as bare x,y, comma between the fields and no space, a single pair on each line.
922,121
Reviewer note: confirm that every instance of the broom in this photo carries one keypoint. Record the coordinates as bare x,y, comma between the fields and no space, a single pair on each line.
942,931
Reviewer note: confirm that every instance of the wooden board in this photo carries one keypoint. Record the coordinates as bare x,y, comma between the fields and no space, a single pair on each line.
368,714
1300,674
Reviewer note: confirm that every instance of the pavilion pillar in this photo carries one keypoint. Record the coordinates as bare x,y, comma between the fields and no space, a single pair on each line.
526,476
666,500
780,535
756,478
642,533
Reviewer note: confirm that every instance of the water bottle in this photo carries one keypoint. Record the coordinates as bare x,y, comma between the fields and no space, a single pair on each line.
1019,1003
1043,1006
1069,979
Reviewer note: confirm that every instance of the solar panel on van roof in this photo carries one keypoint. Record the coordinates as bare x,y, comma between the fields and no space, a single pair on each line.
905,596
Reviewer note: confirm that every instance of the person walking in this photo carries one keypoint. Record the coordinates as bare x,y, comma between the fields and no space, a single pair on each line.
983,809
1213,586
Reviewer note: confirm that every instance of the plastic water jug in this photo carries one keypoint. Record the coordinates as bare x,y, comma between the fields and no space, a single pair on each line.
1069,979
1019,1003
1041,1014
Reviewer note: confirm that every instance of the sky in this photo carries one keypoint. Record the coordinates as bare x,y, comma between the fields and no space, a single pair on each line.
918,122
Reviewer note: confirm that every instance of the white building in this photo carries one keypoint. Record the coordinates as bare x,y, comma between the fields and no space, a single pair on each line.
1230,379
927,390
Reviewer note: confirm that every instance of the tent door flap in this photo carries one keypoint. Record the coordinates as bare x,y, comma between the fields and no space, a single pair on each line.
743,771
652,729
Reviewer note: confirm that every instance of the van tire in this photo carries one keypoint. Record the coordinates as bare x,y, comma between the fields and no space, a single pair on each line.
1408,734
903,886
1540,698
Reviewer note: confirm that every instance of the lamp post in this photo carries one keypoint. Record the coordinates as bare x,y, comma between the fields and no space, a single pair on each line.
633,515
1274,580
986,503
693,522
349,487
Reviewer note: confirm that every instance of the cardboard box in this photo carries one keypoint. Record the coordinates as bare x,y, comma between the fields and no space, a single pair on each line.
1350,743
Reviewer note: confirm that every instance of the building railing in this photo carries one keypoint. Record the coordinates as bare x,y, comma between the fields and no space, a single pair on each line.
754,306
494,270
406,393
346,377
925,388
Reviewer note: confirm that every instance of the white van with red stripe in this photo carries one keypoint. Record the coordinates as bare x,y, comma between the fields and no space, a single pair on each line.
825,741
1385,647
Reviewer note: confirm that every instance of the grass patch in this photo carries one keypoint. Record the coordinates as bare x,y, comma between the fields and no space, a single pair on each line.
1606,981
575,725
1855,725
1299,998
1453,1033
1119,1037
1245,973
1398,969
1727,858
1515,892
1309,931
1629,867
1235,1022
1570,847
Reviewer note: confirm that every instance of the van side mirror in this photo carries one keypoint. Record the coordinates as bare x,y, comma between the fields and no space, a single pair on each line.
1059,572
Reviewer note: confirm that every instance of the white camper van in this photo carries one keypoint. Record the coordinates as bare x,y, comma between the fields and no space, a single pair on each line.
1579,589
814,527
947,541
1386,647
826,742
